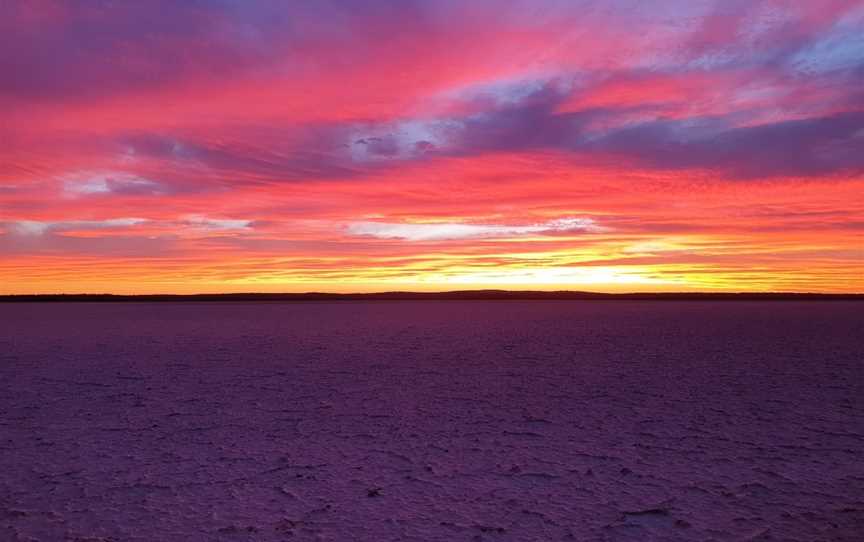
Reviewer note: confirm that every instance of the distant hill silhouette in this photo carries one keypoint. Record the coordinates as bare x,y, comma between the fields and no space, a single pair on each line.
434,296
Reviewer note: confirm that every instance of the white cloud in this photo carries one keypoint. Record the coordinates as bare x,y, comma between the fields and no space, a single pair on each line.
100,183
204,223
36,227
39,227
29,227
452,231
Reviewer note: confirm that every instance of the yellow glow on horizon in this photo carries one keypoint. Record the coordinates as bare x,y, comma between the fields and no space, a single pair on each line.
540,276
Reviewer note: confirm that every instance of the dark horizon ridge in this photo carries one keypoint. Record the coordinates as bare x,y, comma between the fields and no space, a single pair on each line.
455,295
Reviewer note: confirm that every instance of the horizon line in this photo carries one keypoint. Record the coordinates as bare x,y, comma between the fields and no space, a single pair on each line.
407,295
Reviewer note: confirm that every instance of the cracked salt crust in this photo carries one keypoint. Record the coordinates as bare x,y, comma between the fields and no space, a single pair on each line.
424,421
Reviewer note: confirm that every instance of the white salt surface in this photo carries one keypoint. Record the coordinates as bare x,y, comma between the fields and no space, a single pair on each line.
414,421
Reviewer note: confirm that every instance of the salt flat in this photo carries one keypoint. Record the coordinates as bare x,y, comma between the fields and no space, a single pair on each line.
436,420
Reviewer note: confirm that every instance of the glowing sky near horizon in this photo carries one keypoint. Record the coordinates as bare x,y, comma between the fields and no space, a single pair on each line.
356,145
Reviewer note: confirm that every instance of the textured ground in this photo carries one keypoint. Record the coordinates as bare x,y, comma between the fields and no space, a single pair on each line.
432,421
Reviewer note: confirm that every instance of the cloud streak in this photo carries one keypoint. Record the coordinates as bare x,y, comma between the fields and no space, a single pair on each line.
450,231
35,227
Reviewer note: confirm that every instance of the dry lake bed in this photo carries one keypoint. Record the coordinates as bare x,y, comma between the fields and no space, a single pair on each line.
435,420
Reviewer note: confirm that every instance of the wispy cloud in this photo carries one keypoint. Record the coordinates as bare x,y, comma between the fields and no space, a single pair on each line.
453,231
38,227
217,224
102,183
192,222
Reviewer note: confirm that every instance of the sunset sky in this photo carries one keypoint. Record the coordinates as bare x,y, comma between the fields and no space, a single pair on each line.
366,145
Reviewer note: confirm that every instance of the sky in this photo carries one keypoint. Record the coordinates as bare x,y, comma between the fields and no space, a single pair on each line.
184,146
